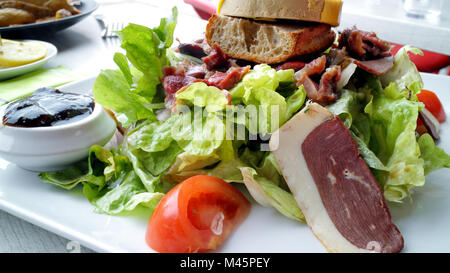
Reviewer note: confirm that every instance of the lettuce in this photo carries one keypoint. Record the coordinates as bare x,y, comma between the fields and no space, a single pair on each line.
393,110
265,183
269,108
403,80
124,195
198,133
349,108
201,95
101,167
295,102
109,182
389,118
112,90
381,117
393,125
434,158
152,136
187,166
406,168
268,194
127,91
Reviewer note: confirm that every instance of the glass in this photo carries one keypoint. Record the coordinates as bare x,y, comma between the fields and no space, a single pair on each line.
423,8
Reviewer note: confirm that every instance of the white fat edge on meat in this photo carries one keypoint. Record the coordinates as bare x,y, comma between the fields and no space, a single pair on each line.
346,74
299,179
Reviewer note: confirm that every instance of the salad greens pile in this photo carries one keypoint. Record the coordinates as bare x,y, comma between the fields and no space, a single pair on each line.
206,135
381,113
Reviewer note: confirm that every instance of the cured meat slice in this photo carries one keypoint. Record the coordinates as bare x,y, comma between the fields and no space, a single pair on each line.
194,49
296,65
227,80
336,191
363,45
315,67
216,59
325,91
376,67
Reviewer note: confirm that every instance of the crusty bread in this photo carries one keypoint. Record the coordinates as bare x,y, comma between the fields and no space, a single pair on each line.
321,11
266,42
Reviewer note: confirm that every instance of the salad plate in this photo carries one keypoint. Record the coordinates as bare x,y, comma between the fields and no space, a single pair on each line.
6,73
424,220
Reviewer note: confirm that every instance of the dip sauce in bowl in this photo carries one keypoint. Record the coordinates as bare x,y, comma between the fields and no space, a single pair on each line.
48,107
51,130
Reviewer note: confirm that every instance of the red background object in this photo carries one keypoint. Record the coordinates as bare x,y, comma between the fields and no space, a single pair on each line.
204,8
430,62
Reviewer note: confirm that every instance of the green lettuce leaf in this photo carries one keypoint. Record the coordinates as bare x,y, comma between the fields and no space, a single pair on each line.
152,136
406,168
112,91
295,102
268,106
109,182
152,151
382,117
125,195
198,133
403,80
101,167
268,194
434,158
128,91
349,108
201,95
187,166
393,125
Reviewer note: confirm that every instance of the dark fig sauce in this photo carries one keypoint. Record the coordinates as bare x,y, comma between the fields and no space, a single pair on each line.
48,107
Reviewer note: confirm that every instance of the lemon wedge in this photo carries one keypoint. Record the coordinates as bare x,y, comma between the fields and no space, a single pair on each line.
16,53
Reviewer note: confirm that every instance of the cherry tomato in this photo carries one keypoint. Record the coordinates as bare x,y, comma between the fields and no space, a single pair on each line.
196,215
433,104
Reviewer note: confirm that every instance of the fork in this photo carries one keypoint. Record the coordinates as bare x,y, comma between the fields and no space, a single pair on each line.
109,27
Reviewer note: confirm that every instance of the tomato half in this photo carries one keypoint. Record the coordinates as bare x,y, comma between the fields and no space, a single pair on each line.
433,104
196,215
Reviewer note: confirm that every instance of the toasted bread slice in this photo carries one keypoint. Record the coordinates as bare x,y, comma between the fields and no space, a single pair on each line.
266,42
320,11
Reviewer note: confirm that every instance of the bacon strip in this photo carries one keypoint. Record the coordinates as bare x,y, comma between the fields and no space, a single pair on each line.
296,65
228,79
216,59
192,49
316,67
376,67
363,45
324,92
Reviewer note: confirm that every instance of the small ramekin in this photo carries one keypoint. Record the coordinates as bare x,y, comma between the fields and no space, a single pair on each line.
55,148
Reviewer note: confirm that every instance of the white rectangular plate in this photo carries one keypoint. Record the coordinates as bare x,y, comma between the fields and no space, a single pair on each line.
424,223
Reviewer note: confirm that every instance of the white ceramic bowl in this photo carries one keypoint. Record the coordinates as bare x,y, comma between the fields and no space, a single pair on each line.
54,148
6,73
